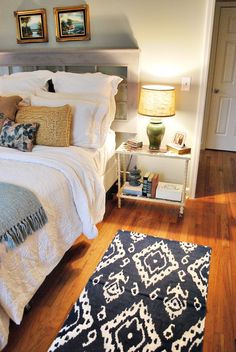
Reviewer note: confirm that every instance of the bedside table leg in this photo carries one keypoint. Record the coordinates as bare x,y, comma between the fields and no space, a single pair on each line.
183,196
124,167
181,211
119,183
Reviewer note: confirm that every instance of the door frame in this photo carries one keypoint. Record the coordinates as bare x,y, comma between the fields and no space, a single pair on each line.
219,6
205,64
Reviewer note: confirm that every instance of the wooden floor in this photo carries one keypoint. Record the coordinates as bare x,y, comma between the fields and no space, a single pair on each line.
210,220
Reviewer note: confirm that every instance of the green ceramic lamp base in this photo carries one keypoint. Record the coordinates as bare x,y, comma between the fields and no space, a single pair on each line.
155,132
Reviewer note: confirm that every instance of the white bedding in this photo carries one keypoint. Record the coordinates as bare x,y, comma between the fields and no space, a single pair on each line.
67,183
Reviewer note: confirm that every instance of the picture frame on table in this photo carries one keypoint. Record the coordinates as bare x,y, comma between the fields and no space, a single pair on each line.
31,26
72,23
179,139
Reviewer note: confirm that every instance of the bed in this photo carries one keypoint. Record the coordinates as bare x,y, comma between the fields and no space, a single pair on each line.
70,181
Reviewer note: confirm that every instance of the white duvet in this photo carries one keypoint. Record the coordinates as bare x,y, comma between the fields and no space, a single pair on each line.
67,184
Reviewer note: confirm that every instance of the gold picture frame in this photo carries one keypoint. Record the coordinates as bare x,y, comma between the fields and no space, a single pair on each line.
31,26
179,139
72,23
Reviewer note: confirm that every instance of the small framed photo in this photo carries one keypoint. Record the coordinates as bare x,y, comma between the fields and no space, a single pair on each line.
179,139
72,23
31,26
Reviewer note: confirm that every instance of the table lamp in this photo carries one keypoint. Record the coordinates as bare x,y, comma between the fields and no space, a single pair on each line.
157,101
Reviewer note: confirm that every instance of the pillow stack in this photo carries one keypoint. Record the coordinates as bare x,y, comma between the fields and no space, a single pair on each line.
91,119
92,98
16,89
80,112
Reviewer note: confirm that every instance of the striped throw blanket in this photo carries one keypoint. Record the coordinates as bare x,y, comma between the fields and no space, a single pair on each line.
20,214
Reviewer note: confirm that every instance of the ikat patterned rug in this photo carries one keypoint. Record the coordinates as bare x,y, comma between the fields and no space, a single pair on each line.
147,294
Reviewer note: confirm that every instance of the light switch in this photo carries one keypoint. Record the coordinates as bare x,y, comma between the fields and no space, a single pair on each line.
186,83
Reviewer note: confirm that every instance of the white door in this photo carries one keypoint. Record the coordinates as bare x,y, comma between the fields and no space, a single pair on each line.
221,133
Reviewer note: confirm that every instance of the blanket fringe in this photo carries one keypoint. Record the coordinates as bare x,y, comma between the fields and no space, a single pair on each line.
18,233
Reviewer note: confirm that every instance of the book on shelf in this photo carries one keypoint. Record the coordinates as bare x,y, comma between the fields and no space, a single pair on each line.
129,190
155,181
169,191
150,182
177,149
149,185
145,180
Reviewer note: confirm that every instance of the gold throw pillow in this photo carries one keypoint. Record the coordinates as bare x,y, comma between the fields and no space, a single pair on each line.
54,123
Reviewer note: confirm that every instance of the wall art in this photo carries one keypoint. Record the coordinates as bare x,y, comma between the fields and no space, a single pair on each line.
72,23
31,26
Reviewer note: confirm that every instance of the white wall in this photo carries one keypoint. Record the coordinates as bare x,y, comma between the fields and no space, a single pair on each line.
169,33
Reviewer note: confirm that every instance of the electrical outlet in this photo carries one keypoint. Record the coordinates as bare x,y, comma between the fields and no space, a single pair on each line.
186,84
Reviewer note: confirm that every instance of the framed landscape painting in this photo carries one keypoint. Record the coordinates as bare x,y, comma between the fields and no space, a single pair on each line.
72,23
31,26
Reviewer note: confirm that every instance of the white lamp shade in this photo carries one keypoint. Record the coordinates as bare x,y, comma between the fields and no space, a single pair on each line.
157,100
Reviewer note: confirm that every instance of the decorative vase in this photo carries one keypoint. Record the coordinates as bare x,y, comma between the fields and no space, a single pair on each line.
155,132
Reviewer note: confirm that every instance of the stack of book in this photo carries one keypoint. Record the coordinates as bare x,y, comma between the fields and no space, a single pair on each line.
177,149
129,190
134,143
150,182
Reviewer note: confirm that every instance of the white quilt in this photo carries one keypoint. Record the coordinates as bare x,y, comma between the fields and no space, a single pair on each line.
73,196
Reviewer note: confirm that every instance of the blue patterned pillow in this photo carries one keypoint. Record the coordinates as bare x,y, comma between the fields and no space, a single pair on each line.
18,135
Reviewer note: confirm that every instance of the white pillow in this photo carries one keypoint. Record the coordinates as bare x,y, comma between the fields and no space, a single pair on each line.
84,96
91,119
42,74
24,81
94,83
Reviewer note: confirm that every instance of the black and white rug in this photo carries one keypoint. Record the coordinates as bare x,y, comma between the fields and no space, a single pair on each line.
147,294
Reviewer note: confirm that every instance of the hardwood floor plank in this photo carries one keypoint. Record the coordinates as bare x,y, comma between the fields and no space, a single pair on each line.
209,220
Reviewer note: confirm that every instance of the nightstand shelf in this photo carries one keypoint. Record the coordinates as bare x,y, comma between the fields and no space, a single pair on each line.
123,151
